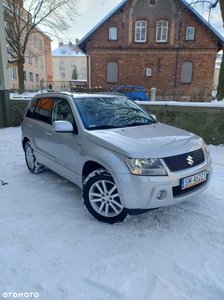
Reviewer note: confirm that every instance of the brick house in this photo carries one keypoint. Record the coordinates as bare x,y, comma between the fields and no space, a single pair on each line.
164,44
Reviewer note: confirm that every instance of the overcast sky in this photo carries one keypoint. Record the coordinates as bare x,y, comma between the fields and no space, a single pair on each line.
91,12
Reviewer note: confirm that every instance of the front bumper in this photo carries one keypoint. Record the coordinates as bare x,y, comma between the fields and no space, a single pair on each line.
150,192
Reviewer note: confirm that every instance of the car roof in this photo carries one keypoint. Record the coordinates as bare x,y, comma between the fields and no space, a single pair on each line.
76,95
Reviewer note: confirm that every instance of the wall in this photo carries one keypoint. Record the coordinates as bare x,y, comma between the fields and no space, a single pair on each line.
207,122
164,59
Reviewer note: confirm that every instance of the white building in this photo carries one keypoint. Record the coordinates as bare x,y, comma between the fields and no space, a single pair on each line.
64,59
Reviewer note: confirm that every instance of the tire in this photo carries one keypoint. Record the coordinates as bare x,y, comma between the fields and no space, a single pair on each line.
101,199
32,164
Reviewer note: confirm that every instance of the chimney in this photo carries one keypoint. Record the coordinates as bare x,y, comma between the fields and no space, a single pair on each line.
60,44
76,41
70,43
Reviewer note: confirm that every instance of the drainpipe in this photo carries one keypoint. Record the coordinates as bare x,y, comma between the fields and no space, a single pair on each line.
177,58
89,70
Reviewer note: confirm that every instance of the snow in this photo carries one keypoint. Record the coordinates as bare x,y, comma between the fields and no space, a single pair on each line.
51,247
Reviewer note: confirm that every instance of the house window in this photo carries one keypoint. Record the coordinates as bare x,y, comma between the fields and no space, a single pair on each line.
40,44
186,72
161,31
36,61
41,62
12,73
29,60
140,31
190,33
112,72
35,41
31,77
63,75
37,78
72,64
112,33
62,65
24,75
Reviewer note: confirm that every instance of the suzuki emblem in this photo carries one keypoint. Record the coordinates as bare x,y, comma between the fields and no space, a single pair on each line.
190,160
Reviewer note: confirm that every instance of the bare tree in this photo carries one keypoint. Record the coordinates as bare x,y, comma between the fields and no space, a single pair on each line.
209,5
23,20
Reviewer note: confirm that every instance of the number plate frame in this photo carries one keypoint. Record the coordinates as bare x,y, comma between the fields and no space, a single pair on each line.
195,179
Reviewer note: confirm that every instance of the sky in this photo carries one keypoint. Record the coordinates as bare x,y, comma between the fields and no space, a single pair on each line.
51,248
90,13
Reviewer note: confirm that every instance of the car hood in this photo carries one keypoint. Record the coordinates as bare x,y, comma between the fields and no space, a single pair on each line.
155,140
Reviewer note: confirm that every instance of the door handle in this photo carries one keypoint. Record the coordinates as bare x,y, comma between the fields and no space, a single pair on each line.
48,133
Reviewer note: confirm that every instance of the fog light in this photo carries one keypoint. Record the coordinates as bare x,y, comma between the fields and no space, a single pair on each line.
159,195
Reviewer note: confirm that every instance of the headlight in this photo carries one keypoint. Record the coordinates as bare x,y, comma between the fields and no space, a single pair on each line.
145,166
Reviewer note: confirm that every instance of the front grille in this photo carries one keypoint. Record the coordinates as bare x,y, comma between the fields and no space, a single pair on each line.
180,162
177,191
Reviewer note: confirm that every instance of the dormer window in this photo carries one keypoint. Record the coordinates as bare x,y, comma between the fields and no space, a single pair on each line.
140,31
112,33
161,31
190,33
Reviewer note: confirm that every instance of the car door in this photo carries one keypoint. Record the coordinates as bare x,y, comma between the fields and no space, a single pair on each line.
64,144
39,125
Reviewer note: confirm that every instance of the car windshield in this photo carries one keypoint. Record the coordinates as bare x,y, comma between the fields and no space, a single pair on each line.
111,112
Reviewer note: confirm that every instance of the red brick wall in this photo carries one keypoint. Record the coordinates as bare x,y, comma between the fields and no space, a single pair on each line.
133,58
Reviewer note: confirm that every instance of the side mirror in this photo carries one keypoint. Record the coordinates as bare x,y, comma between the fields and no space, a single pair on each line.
154,116
62,126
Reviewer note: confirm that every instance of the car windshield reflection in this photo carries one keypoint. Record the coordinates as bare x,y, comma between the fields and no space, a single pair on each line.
106,113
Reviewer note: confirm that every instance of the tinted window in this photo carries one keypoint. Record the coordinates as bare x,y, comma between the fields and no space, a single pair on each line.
41,110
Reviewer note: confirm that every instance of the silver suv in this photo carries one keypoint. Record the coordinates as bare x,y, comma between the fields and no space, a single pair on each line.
124,161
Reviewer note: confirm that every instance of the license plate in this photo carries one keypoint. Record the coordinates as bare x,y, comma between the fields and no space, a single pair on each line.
193,180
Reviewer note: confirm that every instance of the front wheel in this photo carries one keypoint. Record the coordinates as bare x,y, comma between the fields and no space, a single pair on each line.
32,164
101,198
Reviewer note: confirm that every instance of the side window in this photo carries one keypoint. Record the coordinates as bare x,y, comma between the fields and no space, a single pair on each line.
140,31
31,110
112,33
186,72
161,31
190,33
112,72
62,111
41,110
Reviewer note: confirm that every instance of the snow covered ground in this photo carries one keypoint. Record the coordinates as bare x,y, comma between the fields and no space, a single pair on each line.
51,249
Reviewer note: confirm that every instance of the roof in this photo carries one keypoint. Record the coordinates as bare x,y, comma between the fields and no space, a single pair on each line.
184,2
67,51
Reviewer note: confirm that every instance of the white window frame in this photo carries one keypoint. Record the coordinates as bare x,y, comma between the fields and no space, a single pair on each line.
140,31
36,61
113,34
190,31
62,65
62,74
161,31
31,76
37,78
12,73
